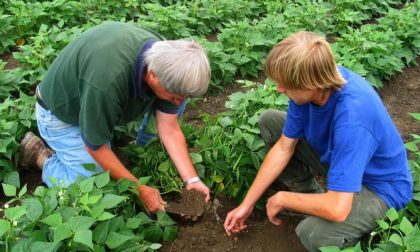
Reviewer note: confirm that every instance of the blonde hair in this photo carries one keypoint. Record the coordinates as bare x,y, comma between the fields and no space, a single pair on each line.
304,60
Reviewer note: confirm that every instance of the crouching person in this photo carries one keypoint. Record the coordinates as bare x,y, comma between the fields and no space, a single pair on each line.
110,75
336,126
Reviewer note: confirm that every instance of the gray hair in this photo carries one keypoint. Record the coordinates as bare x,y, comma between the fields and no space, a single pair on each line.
181,65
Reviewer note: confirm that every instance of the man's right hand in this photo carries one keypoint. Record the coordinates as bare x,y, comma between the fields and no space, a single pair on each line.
235,220
151,199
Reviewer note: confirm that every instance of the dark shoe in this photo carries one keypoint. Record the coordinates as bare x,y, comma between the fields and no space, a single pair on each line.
31,147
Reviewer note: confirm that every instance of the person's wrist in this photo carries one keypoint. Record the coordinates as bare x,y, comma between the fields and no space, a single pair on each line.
192,180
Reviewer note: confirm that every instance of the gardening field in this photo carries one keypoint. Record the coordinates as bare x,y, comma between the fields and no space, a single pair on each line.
380,40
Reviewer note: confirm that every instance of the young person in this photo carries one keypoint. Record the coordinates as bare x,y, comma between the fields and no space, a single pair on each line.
336,126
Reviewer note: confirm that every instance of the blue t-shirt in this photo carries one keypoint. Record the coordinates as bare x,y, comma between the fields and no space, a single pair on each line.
354,134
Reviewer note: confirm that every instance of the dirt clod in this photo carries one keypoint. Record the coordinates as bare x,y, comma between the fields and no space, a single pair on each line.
189,206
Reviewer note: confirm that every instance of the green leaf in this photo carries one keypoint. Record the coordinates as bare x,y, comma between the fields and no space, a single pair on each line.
9,190
412,241
392,214
155,246
123,185
22,191
53,220
4,227
196,158
94,198
89,167
33,208
115,240
163,219
23,245
383,224
62,232
416,116
97,211
405,226
14,213
225,121
153,233
50,200
84,237
164,166
106,216
411,146
12,178
78,223
100,233
111,200
144,180
102,179
144,219
133,223
87,185
39,246
395,238
170,233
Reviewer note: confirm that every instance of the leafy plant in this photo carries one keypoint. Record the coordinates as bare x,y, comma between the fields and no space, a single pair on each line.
93,214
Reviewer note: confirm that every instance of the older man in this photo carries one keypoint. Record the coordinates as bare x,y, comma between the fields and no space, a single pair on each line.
110,75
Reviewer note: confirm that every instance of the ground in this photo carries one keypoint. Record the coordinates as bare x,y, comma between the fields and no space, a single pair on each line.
207,234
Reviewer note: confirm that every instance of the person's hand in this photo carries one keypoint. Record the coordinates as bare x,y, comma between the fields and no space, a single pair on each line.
235,220
200,186
274,207
151,199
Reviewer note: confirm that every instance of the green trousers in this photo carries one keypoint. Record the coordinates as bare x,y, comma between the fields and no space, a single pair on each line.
298,176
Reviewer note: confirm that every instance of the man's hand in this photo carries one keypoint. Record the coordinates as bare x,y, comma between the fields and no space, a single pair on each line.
235,220
151,199
274,207
200,186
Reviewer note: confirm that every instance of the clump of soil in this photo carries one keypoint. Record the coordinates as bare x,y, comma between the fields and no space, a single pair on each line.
189,206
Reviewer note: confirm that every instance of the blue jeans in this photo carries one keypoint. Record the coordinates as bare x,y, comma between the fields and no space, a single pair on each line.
63,167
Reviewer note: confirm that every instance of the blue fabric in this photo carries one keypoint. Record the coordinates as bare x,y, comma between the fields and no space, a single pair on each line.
140,69
144,137
66,164
355,136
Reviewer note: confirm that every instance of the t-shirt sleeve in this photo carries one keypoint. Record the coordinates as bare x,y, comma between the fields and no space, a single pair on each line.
353,147
293,127
98,116
165,106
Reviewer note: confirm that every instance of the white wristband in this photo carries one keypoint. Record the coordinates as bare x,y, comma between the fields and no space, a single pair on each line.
192,180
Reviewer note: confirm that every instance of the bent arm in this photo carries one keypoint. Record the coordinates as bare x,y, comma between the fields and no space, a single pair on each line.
332,205
107,159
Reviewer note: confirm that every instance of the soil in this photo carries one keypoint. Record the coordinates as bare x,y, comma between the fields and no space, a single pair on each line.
400,96
190,205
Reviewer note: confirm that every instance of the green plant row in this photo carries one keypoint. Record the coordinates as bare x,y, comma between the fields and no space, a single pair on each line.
95,214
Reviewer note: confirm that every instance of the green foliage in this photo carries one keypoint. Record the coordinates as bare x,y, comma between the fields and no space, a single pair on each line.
229,146
92,214
16,117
